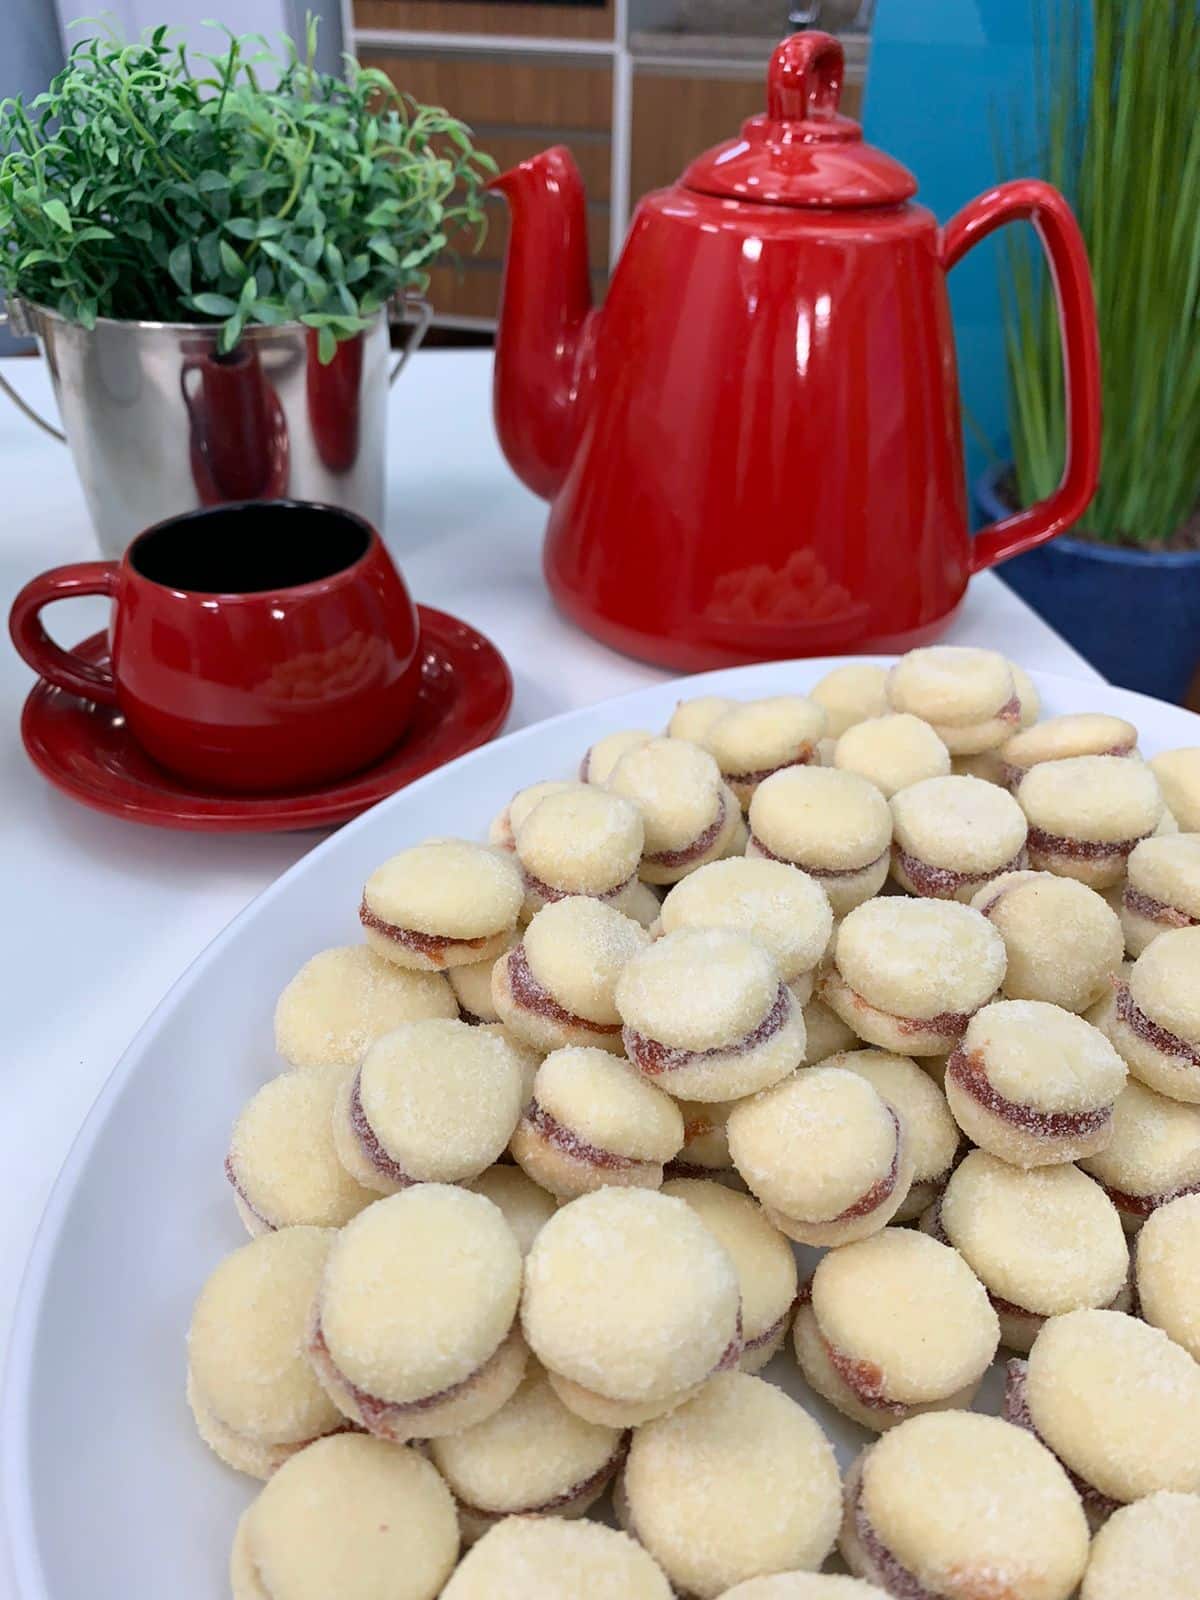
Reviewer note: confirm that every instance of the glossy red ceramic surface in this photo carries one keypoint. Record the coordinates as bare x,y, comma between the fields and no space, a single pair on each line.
246,691
86,750
754,448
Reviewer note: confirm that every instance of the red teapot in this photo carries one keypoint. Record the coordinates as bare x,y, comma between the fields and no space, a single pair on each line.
753,449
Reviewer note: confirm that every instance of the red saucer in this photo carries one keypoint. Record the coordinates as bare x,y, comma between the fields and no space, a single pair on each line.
84,750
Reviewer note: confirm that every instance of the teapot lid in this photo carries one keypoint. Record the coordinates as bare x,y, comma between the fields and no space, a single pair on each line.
802,151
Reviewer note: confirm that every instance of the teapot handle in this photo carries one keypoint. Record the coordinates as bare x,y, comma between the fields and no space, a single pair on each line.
1029,200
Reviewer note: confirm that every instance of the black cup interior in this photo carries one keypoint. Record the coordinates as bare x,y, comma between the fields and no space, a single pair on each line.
250,547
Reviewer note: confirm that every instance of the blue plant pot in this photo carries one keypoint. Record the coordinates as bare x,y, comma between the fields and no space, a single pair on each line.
1134,614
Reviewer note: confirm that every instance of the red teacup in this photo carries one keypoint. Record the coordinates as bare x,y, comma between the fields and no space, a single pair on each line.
256,646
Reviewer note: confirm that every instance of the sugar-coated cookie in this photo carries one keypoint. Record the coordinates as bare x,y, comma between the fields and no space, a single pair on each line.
707,1016
532,1458
251,1390
1168,1271
968,696
894,1325
1086,814
825,1033
1155,1022
833,825
594,1121
1162,888
691,719
1178,773
950,835
763,1257
524,1205
804,1586
342,1000
908,975
1063,942
705,1149
432,1102
689,812
600,758
825,1154
738,1482
471,986
580,841
528,1059
282,1160
931,1133
549,1558
892,751
1154,1154
1116,1401
556,986
351,1517
775,903
1042,1241
1034,1084
1081,733
441,904
630,1303
413,1332
1151,1549
955,1506
850,694
752,740
502,833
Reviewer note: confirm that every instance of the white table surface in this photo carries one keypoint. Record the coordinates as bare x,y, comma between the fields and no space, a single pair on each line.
101,916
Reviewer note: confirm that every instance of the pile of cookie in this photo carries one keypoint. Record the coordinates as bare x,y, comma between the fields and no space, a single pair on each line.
849,969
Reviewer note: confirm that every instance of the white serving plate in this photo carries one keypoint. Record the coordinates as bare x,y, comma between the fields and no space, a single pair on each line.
108,1492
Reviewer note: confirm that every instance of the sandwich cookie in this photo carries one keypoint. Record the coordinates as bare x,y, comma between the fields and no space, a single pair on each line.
967,696
594,1121
1162,889
556,986
950,835
442,904
1116,1401
1034,1084
581,841
825,1154
825,1033
690,814
630,1304
1149,1548
282,1161
547,1558
1168,1271
892,1326
739,1482
833,825
956,1506
707,1015
930,1132
892,751
781,907
413,1332
1086,814
350,1517
433,1102
523,1204
1063,942
1178,774
691,719
804,1586
532,1458
600,758
502,833
1042,1242
849,695
705,1149
1083,733
251,1391
1156,1015
1154,1155
908,975
760,737
342,1000
766,1266
472,987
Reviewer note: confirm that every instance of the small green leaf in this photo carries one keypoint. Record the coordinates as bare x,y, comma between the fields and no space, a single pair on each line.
179,265
58,214
213,305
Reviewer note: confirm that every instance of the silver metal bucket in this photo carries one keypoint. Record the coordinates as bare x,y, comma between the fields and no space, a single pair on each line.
159,423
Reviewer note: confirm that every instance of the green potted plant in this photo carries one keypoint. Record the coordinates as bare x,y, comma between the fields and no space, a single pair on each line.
209,251
1117,128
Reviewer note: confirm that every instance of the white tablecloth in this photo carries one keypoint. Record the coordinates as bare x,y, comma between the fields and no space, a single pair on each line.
101,916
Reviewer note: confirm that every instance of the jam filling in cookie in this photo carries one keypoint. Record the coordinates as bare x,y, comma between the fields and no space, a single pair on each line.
967,1069
431,945
529,993
654,1058
1160,1038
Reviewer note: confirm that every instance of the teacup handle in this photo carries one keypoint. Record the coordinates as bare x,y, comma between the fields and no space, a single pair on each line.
35,646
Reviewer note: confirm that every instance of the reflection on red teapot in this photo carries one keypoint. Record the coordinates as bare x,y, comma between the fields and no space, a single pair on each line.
754,448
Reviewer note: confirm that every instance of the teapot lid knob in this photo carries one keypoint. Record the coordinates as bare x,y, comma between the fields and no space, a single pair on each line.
804,79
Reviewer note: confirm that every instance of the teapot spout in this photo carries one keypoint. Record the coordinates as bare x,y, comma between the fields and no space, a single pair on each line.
545,302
